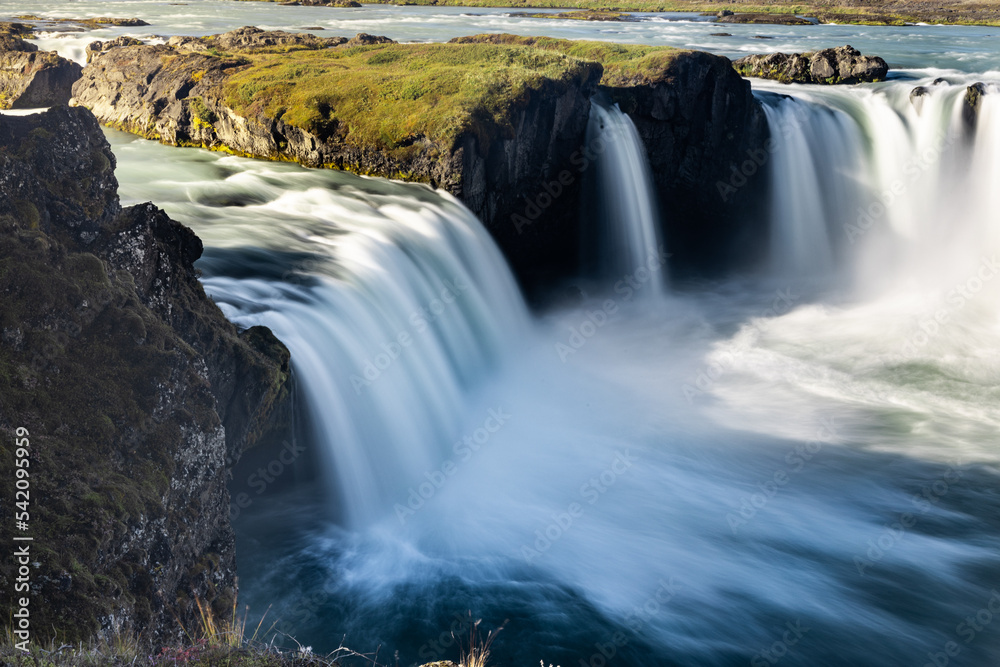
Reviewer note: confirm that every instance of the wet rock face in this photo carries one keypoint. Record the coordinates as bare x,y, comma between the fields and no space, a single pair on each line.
700,123
844,64
30,78
971,102
134,388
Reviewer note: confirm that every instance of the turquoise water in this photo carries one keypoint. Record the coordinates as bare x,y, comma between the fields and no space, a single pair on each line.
798,466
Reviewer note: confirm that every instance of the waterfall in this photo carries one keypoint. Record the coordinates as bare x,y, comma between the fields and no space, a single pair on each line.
390,327
625,229
882,181
814,159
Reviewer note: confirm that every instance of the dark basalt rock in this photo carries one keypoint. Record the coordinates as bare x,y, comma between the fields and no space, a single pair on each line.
119,22
971,102
699,123
772,19
843,64
11,42
16,29
31,78
324,3
364,39
135,389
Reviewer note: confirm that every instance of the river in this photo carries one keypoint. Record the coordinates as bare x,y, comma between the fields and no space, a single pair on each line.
798,465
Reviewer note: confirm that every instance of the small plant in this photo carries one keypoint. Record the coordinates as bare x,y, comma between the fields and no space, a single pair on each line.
479,649
232,632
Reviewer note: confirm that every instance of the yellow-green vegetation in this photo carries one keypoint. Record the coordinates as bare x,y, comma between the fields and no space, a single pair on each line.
390,96
624,64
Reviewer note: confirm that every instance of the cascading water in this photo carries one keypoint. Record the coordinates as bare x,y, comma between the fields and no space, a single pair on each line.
814,149
399,308
693,480
895,183
625,217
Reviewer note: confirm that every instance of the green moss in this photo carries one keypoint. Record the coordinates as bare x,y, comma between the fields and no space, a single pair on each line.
85,381
390,96
624,64
202,116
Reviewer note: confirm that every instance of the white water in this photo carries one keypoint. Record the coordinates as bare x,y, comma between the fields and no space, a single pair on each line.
626,230
401,309
712,390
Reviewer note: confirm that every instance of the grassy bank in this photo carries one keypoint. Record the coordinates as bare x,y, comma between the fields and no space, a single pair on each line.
388,96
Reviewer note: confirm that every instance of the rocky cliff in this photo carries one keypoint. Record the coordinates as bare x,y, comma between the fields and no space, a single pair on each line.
700,124
492,143
497,120
134,388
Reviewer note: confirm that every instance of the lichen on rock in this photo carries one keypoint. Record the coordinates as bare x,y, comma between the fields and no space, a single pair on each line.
844,64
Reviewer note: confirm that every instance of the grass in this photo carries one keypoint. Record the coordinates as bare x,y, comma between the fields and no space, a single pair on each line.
624,64
392,96
478,652
217,642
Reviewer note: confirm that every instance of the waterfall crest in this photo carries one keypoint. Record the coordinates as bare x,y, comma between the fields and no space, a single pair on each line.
389,329
888,182
626,220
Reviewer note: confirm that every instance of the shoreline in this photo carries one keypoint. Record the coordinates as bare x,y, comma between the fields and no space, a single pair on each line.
903,12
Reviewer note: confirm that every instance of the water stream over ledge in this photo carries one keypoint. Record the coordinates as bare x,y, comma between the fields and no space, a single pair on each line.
796,466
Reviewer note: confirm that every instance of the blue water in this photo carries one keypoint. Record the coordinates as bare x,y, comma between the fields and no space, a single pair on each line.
795,467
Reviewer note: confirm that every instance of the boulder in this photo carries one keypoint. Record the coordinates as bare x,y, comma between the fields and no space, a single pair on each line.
31,78
364,39
11,42
98,46
971,102
844,64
